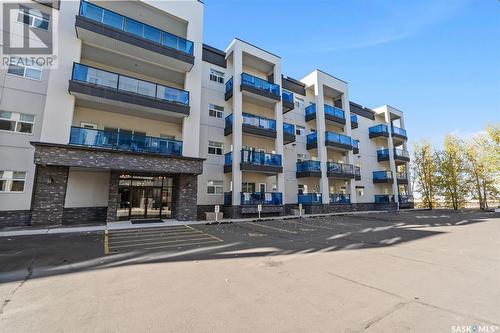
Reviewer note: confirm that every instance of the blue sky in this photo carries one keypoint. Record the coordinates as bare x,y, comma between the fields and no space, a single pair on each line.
433,59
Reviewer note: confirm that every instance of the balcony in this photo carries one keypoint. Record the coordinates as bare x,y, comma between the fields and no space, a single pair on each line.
124,94
254,125
338,141
399,133
228,92
382,155
382,177
260,88
114,140
355,146
106,29
401,155
309,198
378,130
287,101
308,169
288,133
357,173
312,141
340,170
354,121
261,198
255,161
405,201
384,198
402,177
340,198
332,114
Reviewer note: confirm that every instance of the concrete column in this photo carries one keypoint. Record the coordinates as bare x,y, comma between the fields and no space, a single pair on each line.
59,104
278,143
392,164
350,155
113,196
237,125
320,129
49,195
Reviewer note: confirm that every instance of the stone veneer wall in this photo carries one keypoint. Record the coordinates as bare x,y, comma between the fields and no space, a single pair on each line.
49,194
14,218
185,197
113,196
84,215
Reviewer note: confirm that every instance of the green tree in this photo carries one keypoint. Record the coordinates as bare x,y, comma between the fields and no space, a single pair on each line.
425,172
452,173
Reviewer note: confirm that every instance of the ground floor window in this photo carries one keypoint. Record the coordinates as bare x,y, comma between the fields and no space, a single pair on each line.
12,181
215,187
145,197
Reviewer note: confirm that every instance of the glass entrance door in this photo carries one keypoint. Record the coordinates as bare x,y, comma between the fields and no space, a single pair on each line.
138,202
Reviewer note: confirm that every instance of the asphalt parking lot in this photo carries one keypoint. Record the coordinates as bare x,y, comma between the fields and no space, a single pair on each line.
414,271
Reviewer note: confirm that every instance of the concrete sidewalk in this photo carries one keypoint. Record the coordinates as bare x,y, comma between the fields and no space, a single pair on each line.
123,225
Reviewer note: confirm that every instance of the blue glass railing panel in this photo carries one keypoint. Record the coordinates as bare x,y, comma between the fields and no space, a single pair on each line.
260,158
335,167
340,198
334,111
288,129
103,78
228,158
229,85
307,166
399,131
311,109
312,138
259,122
382,175
228,122
354,118
261,198
338,138
134,27
379,129
260,84
383,198
309,198
125,142
287,96
401,153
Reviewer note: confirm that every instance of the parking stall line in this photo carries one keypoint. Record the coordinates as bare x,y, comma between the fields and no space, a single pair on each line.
156,238
158,234
204,233
153,243
183,244
273,228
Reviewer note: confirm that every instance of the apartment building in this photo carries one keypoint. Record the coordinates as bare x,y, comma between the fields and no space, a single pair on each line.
142,121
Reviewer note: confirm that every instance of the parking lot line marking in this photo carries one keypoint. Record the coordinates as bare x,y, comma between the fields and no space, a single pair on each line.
139,236
220,240
266,226
135,231
157,238
151,243
106,244
312,225
185,244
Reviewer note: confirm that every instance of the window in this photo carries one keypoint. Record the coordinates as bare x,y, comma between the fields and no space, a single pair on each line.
88,125
361,192
301,189
33,18
215,148
16,122
299,102
215,111
12,181
215,187
300,130
301,157
167,137
247,187
216,76
25,68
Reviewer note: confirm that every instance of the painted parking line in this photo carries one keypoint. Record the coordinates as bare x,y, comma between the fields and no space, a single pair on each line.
273,228
156,238
313,225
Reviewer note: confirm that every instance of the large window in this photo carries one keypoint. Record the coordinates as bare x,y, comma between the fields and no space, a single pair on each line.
216,76
215,111
247,187
12,181
215,187
24,68
33,18
16,122
215,148
299,102
300,130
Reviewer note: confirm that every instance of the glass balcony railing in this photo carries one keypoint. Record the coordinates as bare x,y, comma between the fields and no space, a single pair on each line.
228,158
357,171
127,84
382,175
383,154
308,166
260,158
309,198
287,96
288,129
124,141
338,138
354,118
134,27
398,131
310,109
340,198
260,84
259,122
312,138
261,198
228,198
383,198
355,144
344,168
228,122
229,85
405,198
401,175
334,111
401,153
378,130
